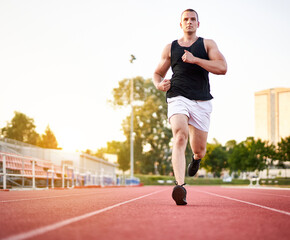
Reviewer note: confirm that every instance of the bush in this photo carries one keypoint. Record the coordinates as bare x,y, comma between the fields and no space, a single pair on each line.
153,180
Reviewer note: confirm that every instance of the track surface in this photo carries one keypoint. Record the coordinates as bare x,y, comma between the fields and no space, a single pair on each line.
145,213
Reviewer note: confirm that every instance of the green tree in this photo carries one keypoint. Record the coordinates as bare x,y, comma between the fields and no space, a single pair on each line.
21,128
251,155
230,145
283,151
121,149
123,157
151,131
48,139
215,159
237,157
259,154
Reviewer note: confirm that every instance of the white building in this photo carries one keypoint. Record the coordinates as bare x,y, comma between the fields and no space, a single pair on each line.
272,121
272,114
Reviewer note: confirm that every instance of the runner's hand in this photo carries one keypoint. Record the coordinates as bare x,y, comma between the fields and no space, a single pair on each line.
164,85
188,57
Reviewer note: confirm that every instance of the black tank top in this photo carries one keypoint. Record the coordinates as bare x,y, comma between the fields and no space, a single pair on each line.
189,80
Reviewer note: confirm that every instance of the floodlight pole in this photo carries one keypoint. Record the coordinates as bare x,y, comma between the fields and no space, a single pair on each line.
132,122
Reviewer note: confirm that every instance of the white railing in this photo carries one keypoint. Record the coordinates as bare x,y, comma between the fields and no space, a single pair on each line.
22,168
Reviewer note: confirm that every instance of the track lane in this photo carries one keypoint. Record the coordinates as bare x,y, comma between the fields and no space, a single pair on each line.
157,217
40,212
271,198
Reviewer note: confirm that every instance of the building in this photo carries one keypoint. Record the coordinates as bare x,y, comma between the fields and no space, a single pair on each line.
272,114
23,160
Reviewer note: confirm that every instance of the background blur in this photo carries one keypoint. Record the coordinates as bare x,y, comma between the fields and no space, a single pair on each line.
60,60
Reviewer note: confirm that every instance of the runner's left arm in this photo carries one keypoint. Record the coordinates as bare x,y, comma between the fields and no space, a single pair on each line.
216,64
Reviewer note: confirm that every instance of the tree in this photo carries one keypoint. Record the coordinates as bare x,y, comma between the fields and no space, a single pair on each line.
215,159
121,149
237,157
283,153
123,159
230,145
251,155
152,134
21,128
259,154
48,140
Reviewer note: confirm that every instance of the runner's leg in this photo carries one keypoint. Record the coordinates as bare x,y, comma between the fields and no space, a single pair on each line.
179,125
198,140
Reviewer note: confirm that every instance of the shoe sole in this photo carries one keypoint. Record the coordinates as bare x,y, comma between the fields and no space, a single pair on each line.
189,170
178,195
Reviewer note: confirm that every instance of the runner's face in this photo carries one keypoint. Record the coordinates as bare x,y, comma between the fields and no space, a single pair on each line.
189,22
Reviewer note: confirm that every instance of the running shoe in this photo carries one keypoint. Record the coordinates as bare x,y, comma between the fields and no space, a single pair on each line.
179,194
193,167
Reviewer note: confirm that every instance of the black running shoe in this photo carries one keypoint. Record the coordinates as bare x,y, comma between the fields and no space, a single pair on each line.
179,194
193,167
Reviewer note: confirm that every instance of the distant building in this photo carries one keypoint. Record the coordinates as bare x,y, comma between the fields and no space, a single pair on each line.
272,114
81,162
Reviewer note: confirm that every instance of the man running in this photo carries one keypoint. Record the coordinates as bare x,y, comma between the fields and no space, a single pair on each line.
188,95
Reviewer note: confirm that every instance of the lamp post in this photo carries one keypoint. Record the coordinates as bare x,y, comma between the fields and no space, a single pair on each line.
132,120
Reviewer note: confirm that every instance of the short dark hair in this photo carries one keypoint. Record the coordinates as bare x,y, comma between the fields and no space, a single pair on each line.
190,10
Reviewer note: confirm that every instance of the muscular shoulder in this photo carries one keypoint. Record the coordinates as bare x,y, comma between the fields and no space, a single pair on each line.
209,44
167,51
212,50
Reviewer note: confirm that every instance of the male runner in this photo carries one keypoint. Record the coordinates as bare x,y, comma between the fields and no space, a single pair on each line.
188,95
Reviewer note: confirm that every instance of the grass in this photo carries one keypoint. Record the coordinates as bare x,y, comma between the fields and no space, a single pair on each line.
169,180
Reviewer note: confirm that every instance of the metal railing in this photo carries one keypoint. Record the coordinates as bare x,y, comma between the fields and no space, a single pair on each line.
20,171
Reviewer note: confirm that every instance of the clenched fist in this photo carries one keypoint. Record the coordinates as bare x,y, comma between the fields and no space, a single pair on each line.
188,57
164,85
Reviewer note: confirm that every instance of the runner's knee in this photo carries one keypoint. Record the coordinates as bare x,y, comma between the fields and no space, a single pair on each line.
180,139
199,153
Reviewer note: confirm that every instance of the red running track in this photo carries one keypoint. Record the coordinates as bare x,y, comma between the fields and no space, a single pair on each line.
145,213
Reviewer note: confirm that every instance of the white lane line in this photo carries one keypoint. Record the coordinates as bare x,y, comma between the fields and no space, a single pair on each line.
277,195
256,191
249,203
40,198
42,230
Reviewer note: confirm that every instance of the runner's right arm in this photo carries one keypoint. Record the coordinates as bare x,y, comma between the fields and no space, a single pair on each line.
161,70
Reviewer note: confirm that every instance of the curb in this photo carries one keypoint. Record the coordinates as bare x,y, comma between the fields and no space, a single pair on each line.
78,187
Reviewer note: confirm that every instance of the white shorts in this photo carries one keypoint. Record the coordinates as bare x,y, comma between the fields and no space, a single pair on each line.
198,112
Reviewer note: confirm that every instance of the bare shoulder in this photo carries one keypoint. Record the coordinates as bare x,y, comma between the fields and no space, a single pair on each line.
209,44
212,50
164,63
168,46
167,51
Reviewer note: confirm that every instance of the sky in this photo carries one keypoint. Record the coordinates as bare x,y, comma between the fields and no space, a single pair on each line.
61,59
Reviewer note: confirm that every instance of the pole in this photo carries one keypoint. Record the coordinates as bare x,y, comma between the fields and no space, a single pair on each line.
132,122
62,175
4,173
33,174
131,134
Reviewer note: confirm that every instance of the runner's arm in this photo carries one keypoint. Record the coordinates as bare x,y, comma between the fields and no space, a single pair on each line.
216,63
161,70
